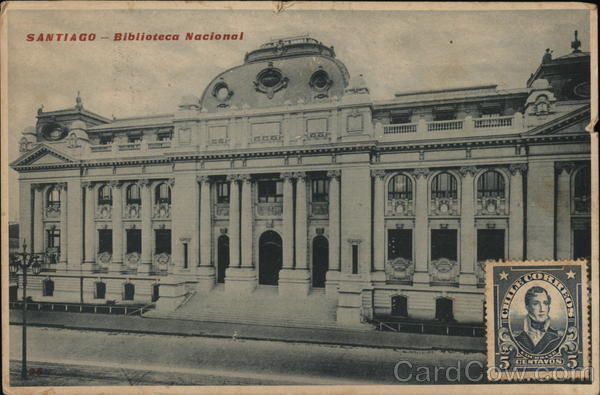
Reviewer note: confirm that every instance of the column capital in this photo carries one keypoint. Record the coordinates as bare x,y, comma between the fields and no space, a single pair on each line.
171,182
87,184
143,183
564,166
378,173
116,184
300,175
421,172
520,168
334,174
287,176
37,187
233,177
245,178
61,186
203,179
467,170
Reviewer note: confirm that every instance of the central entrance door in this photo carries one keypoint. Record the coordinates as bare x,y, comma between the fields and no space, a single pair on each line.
222,257
269,258
320,261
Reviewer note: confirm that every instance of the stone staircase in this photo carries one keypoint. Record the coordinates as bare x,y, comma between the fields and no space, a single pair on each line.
261,307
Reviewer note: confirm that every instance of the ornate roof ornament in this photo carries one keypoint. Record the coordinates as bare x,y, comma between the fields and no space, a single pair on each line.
78,102
575,44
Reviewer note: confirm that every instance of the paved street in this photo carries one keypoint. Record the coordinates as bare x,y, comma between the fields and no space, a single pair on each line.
78,357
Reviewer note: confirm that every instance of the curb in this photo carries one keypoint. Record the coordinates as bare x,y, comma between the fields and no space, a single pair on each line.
253,338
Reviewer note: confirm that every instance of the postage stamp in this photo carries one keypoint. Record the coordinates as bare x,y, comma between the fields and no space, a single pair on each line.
537,324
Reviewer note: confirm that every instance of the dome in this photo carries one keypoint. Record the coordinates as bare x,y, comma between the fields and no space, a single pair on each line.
283,71
540,84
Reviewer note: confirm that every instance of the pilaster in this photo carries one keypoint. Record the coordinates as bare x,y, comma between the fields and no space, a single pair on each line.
467,227
64,235
117,226
517,215
146,217
378,226
563,209
90,230
421,226
333,274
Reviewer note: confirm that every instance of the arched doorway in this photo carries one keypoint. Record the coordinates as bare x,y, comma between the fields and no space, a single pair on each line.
269,258
222,257
320,261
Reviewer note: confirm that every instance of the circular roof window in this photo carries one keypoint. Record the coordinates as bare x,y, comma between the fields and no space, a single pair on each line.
320,81
54,131
270,78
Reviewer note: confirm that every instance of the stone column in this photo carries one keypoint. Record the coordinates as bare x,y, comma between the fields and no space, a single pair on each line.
296,282
421,235
75,224
333,274
206,270
117,226
288,221
378,227
38,218
64,235
541,181
240,276
467,227
247,217
563,209
90,226
516,218
234,221
146,217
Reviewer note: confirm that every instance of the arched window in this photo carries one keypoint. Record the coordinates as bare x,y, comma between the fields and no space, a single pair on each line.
444,186
400,187
162,194
53,198
490,183
133,194
105,195
582,190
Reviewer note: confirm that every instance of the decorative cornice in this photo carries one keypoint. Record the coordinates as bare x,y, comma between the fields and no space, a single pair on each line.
468,170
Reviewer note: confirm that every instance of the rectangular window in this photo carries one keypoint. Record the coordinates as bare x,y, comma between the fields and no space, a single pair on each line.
582,243
128,291
104,240
48,288
444,115
270,191
106,140
134,139
164,136
222,192
185,255
400,118
443,244
320,190
400,244
355,259
100,291
490,244
53,239
316,125
134,241
162,241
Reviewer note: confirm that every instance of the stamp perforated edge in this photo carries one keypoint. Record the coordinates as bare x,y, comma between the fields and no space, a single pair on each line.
490,327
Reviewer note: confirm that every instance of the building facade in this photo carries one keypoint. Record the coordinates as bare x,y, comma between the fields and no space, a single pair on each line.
285,173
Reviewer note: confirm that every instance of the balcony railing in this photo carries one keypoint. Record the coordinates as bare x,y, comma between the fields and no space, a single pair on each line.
53,210
436,126
319,209
159,145
498,122
101,148
269,209
261,139
400,128
323,135
130,147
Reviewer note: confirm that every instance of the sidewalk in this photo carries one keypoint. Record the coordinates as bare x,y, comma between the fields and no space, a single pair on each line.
178,327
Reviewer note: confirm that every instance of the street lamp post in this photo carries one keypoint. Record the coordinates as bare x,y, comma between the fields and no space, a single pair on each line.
24,260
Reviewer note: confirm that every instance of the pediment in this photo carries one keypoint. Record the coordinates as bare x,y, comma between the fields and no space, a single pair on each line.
571,123
42,155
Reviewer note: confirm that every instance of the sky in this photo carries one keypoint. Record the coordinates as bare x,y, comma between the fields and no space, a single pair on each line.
394,50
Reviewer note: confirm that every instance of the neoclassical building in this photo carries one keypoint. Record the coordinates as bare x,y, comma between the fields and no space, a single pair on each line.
285,173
